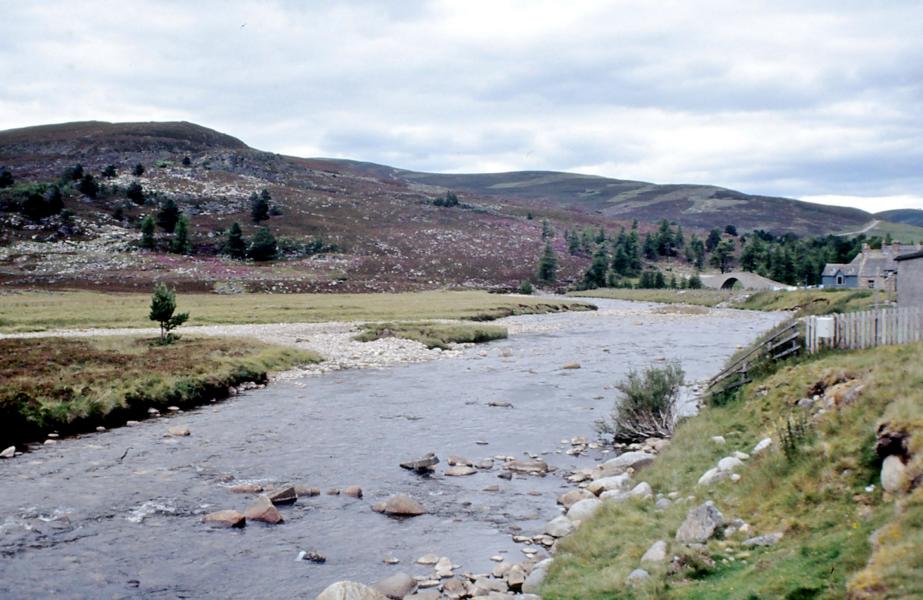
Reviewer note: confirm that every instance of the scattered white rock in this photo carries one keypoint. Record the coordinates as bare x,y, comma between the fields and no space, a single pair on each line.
9,452
350,590
763,540
761,446
729,464
559,527
584,509
700,524
719,439
712,476
893,475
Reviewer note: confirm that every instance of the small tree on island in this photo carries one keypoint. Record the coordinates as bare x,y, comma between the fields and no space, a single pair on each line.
163,305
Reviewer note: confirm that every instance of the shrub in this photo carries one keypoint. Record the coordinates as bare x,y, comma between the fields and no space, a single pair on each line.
88,186
138,171
180,243
109,172
147,232
259,206
6,179
647,406
526,287
795,432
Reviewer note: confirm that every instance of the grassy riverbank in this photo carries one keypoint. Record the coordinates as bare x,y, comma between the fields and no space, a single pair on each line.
75,384
41,311
433,335
803,302
812,302
819,497
695,297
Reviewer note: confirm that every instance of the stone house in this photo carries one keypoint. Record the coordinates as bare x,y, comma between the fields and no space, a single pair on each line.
910,279
871,269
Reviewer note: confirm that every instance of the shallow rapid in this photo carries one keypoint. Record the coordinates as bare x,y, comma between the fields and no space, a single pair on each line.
118,514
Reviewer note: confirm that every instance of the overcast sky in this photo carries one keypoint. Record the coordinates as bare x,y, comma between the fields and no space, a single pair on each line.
822,103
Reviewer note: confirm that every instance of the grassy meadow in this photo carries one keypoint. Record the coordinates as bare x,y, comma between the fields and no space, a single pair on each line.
819,497
71,385
813,302
42,311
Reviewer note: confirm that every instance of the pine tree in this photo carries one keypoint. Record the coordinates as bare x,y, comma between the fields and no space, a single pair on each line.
180,243
714,237
109,172
163,305
135,193
695,282
88,186
595,276
263,245
547,265
6,179
138,170
547,230
55,200
236,246
168,215
147,232
259,206
723,256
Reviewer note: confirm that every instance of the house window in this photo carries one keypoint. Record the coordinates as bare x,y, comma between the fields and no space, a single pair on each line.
871,284
839,280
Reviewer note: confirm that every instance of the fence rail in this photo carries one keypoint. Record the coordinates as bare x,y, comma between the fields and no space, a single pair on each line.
783,342
867,329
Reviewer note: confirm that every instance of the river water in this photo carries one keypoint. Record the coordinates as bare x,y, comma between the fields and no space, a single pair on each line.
79,521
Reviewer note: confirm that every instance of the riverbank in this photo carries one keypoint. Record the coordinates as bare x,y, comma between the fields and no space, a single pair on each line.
822,510
802,302
63,386
23,311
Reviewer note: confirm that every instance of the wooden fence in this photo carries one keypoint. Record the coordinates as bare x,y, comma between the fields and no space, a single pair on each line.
782,342
867,329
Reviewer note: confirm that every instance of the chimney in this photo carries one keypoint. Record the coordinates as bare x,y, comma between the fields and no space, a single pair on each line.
865,249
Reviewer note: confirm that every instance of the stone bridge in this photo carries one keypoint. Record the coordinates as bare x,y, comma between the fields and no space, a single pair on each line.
749,281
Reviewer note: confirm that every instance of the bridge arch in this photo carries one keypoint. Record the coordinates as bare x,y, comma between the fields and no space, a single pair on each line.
729,283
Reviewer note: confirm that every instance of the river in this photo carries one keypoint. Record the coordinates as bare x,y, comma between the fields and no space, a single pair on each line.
79,521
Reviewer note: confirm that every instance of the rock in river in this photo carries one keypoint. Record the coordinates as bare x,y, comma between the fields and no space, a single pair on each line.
529,467
350,590
263,510
400,505
424,464
460,471
353,491
179,431
225,518
246,488
9,452
283,496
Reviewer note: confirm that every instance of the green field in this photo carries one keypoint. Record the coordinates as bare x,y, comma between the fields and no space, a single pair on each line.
42,311
819,496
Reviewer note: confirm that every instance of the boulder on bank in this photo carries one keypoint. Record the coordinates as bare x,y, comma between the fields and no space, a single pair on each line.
629,460
9,452
225,518
893,474
263,510
583,510
700,524
559,527
534,581
618,483
350,590
573,497
400,505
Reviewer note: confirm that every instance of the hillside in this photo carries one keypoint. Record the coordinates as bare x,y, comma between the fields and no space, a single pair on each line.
693,206
907,216
340,225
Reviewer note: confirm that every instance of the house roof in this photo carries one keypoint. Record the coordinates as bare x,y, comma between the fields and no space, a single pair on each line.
911,256
833,268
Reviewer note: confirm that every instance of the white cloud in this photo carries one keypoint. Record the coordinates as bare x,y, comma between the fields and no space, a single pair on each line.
769,97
